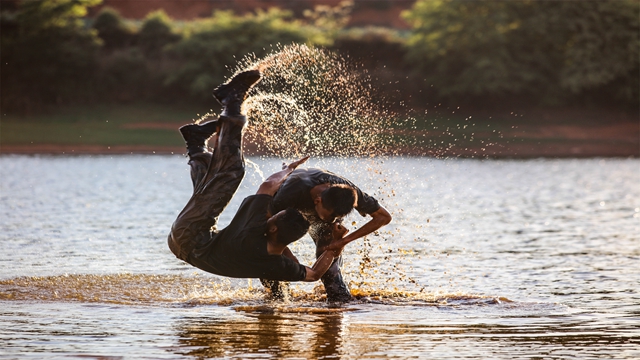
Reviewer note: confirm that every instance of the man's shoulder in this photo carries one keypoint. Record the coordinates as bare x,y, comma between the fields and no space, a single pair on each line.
256,199
318,175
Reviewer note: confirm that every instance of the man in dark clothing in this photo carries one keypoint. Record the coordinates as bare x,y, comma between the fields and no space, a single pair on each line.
323,197
254,245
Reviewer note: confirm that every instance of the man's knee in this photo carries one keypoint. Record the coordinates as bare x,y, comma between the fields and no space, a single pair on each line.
177,247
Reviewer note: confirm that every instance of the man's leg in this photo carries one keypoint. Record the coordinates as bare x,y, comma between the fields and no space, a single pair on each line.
215,176
333,282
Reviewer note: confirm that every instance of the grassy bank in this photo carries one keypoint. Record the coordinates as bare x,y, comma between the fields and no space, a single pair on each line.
146,128
131,126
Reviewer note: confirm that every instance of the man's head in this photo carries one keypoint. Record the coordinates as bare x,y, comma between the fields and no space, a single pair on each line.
289,224
335,202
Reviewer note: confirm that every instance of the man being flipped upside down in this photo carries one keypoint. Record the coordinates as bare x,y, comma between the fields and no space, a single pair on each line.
255,244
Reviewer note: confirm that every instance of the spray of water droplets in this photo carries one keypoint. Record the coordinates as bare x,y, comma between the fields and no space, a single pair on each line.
172,290
311,102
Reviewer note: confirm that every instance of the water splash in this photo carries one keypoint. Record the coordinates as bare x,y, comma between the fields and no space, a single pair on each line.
144,289
313,102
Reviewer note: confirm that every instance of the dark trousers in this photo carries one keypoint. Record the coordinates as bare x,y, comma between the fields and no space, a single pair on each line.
216,177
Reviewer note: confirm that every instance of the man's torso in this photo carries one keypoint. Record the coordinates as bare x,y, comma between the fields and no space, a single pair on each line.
240,249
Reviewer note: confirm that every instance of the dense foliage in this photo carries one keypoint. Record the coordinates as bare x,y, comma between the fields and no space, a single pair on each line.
212,46
545,51
470,52
48,55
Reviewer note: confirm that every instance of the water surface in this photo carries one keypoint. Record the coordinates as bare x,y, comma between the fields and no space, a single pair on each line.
484,259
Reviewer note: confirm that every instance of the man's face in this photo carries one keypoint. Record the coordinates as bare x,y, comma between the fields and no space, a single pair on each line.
324,214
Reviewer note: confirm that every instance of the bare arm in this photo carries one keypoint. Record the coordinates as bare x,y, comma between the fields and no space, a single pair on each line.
322,264
324,261
273,182
379,218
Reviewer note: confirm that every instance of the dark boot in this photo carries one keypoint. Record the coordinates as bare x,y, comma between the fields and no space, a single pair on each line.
232,94
334,285
196,135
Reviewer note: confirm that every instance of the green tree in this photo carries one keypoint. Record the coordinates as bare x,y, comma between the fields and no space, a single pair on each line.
49,56
212,45
112,29
156,33
602,48
547,51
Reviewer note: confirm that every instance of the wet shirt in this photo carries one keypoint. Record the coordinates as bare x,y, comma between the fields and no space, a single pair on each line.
240,249
296,192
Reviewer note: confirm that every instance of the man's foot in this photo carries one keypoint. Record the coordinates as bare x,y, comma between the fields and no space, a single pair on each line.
342,295
334,285
233,93
196,135
339,298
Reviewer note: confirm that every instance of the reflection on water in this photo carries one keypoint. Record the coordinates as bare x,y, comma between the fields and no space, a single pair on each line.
267,334
484,259
314,336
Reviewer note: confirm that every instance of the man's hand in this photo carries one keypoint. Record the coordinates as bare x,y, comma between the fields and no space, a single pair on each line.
329,253
337,232
295,164
273,182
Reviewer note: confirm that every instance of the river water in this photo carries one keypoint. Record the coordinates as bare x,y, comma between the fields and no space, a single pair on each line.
484,259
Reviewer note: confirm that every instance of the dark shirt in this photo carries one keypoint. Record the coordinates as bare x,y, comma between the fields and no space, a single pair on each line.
296,192
240,249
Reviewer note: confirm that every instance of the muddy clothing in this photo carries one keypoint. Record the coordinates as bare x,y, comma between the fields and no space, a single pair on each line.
296,192
240,249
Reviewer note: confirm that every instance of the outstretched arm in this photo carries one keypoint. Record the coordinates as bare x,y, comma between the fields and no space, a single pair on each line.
273,182
379,218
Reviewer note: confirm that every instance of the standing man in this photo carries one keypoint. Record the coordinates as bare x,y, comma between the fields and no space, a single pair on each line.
324,198
254,245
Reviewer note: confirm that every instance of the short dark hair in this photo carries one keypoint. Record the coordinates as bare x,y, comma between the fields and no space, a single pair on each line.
339,198
291,226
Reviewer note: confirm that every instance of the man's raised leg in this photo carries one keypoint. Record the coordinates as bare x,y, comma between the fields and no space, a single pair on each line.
215,176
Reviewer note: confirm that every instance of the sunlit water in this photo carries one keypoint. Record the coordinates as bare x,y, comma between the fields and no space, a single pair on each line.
484,259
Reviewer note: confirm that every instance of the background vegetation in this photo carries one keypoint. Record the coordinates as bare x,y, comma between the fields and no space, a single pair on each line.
60,66
541,52
477,53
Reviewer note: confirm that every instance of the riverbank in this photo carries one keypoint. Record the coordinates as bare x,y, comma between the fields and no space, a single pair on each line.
152,129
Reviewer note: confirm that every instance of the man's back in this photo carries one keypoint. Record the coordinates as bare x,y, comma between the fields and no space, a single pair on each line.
296,191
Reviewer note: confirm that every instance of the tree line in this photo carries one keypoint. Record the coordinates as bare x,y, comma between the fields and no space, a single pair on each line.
477,53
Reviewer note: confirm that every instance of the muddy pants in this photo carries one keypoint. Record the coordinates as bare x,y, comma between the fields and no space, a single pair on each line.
216,177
